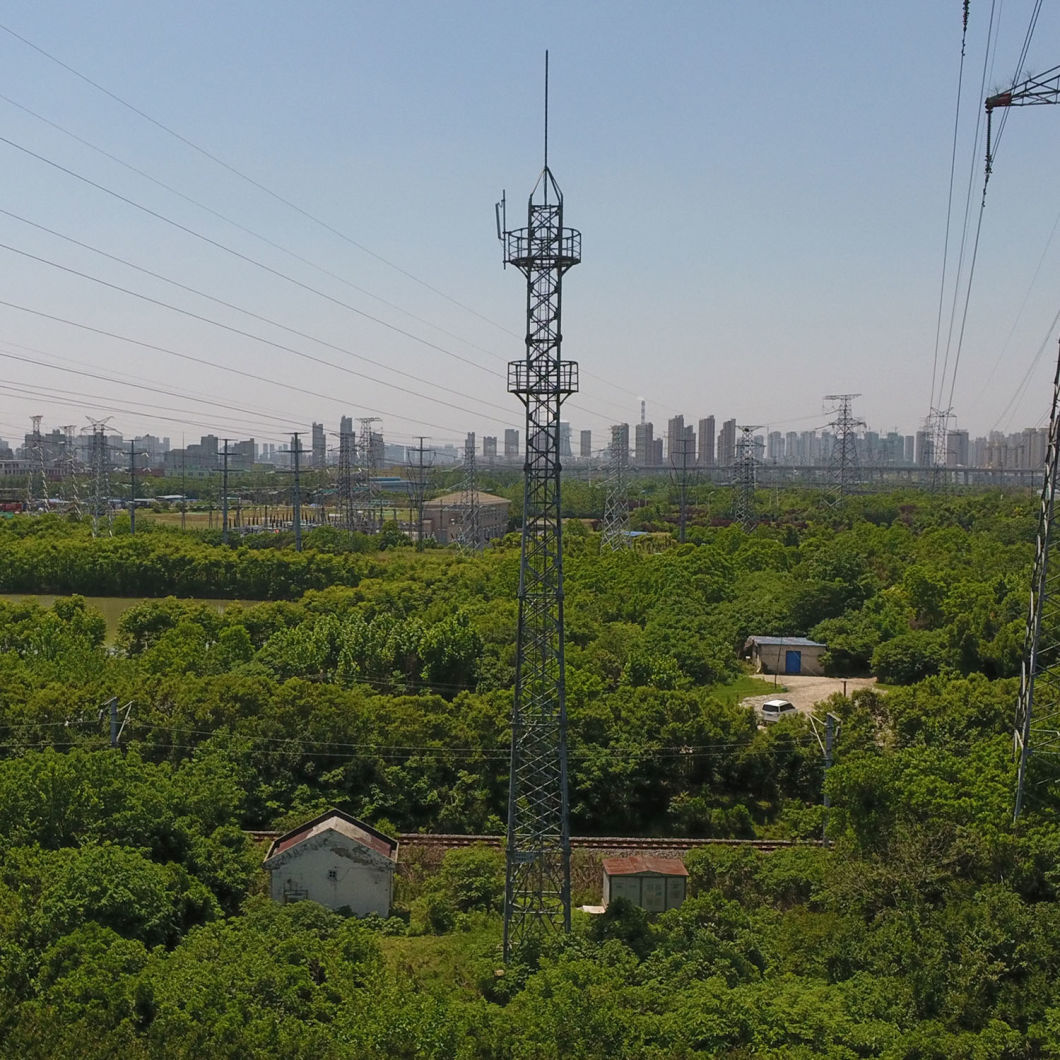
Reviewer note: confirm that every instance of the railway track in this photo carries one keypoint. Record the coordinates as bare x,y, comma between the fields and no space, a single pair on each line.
446,841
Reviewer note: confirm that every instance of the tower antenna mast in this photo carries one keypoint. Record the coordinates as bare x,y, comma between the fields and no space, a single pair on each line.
537,871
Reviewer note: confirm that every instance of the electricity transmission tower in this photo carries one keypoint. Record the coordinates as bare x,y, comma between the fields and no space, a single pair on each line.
37,477
99,463
365,489
1037,728
347,445
843,461
614,534
419,462
469,537
537,873
682,474
68,470
936,431
295,453
744,478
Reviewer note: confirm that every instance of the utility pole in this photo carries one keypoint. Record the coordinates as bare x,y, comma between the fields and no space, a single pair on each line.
831,724
1037,727
843,460
537,863
183,487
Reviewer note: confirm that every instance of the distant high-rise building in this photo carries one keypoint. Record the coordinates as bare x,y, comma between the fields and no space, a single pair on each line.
644,448
727,444
957,449
775,447
706,442
320,446
511,444
489,448
620,436
925,453
909,449
586,445
657,453
675,435
564,440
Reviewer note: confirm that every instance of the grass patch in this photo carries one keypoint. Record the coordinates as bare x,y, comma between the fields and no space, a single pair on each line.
441,964
743,687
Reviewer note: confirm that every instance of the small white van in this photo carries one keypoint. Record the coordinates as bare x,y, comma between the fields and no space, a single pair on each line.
774,709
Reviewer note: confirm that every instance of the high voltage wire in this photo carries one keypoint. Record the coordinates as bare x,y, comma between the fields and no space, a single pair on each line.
290,204
257,414
196,360
256,338
244,228
258,264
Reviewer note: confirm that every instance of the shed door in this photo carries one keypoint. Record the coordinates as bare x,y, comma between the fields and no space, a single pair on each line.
654,894
793,662
626,887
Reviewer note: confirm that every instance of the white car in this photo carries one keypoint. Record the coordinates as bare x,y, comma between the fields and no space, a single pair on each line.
774,709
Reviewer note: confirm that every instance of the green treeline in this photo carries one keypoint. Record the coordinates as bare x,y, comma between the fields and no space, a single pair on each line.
132,916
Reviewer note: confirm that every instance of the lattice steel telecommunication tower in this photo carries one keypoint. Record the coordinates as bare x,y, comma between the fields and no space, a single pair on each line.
744,478
468,536
537,876
614,533
843,462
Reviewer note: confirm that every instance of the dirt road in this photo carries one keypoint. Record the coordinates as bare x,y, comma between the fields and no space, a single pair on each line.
806,692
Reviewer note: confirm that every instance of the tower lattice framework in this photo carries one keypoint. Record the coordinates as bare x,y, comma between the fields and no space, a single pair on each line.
365,489
744,478
537,876
937,430
99,462
468,536
347,514
1037,728
68,471
614,533
843,460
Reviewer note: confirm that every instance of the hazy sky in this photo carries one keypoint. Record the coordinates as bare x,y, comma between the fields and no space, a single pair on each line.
761,187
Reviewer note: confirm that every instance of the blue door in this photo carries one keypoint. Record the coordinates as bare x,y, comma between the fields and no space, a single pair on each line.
793,662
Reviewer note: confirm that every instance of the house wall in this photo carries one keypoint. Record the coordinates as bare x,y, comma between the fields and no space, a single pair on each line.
771,659
362,880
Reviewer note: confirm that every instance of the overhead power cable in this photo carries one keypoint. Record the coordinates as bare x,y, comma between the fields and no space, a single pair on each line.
257,338
200,360
279,198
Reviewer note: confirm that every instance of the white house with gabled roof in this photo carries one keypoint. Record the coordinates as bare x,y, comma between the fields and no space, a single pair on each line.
337,861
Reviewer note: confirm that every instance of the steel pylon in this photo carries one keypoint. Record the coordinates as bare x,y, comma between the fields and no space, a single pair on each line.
469,536
744,479
843,460
614,533
1037,727
537,875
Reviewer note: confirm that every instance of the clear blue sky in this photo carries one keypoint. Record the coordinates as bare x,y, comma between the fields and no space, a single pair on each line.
761,187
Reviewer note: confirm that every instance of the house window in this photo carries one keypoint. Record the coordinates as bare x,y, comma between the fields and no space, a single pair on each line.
333,874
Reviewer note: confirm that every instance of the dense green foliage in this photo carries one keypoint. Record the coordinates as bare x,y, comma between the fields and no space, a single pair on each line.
131,916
